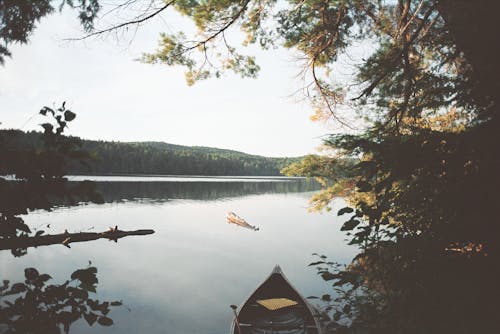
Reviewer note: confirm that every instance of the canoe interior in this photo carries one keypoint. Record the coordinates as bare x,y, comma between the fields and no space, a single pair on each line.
256,319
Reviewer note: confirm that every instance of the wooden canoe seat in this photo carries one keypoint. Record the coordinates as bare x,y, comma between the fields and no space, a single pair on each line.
274,304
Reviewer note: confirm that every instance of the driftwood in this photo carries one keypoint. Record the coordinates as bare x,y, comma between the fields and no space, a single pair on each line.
233,218
67,238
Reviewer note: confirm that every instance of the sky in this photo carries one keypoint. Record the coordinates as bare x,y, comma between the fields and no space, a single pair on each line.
118,98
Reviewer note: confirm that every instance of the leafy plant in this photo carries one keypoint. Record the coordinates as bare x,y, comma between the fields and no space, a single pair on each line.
38,175
37,307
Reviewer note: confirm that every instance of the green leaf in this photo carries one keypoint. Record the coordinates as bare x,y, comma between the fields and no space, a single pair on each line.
328,276
69,116
45,277
105,321
316,263
88,287
94,305
350,224
16,288
326,298
5,285
47,127
86,276
20,225
355,241
364,233
78,293
90,318
344,210
44,111
31,274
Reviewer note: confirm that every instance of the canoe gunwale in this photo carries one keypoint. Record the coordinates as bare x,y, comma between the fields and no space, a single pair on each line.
277,270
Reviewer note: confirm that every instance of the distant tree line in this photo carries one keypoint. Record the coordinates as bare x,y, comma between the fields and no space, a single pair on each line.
159,158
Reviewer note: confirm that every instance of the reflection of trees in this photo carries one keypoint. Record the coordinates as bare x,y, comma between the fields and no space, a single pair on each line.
162,191
36,307
39,183
38,175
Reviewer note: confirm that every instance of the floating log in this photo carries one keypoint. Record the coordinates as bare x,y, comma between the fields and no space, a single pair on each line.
68,238
233,218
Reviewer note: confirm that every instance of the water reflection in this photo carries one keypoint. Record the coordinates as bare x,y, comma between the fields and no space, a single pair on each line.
195,264
34,306
22,243
164,191
233,218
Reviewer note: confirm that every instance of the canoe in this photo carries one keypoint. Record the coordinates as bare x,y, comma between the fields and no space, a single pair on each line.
276,307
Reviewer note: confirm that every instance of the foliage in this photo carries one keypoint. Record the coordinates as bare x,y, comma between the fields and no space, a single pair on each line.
33,178
416,67
425,209
421,178
333,174
18,18
37,175
36,307
158,158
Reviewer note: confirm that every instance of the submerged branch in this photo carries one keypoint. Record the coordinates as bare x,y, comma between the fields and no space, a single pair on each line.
67,238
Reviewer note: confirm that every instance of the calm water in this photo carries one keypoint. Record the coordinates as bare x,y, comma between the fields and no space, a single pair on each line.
183,278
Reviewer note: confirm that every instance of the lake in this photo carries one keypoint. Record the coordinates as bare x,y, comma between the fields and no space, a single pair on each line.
182,278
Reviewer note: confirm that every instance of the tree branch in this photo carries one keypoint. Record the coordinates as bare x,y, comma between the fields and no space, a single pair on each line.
221,30
367,91
125,24
67,238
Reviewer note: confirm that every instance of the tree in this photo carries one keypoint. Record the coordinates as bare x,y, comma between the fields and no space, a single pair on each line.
36,166
423,182
38,174
421,178
34,306
33,178
18,18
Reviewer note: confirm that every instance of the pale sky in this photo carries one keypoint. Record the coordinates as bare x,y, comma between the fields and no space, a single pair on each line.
118,98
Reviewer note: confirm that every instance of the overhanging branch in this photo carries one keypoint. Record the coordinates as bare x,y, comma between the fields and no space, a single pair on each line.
124,24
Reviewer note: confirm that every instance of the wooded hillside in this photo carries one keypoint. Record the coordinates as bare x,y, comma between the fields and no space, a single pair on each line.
158,158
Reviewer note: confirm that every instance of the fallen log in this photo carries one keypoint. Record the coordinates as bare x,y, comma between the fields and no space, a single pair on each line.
68,238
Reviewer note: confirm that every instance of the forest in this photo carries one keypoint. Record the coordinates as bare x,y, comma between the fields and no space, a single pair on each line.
156,158
419,177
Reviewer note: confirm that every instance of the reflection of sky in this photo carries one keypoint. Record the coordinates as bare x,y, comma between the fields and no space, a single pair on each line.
183,278
177,178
